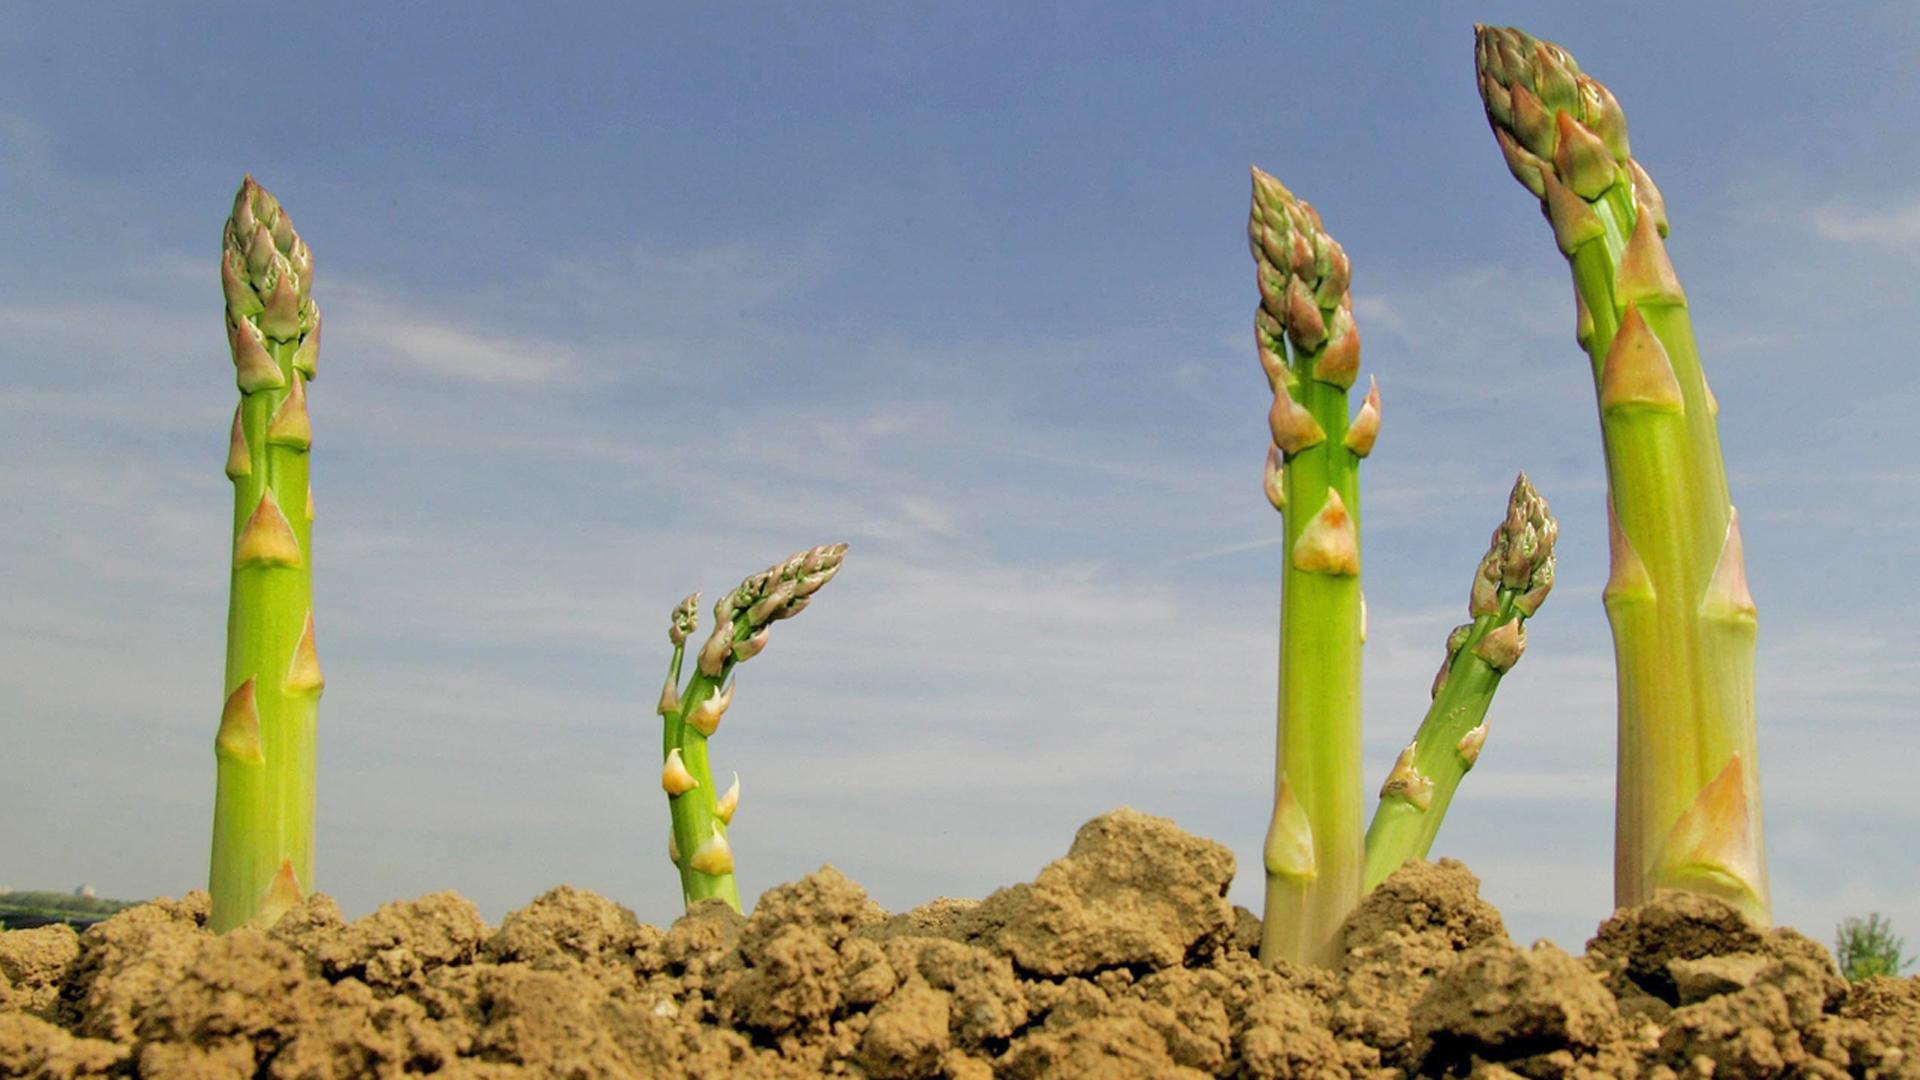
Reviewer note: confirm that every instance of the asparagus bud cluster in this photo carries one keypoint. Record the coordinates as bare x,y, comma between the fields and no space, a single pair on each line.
1688,805
1509,585
1309,348
743,618
263,806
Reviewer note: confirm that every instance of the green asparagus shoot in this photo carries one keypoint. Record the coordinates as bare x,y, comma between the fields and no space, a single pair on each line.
691,714
1511,583
1869,947
1310,350
264,751
1687,812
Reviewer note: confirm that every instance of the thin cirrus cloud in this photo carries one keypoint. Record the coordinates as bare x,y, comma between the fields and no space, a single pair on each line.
438,347
1895,227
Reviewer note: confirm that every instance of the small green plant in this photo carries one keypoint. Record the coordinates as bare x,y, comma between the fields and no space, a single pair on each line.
1317,860
697,842
263,803
1868,947
1687,814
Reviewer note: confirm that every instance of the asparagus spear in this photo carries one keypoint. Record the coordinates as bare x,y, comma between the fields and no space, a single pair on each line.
1511,583
1310,350
263,805
697,844
1687,812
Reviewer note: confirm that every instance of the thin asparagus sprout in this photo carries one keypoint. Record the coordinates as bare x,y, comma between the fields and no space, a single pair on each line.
1687,811
263,805
1508,587
697,843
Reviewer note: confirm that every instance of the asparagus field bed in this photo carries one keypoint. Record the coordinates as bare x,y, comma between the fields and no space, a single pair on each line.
1122,959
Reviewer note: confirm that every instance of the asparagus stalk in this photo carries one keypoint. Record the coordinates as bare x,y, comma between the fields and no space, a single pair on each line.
697,844
264,752
1512,581
1687,812
1310,350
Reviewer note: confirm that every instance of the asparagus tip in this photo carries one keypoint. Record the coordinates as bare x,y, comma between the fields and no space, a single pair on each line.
685,620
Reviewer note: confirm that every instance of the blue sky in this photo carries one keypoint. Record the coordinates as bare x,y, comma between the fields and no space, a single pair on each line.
626,302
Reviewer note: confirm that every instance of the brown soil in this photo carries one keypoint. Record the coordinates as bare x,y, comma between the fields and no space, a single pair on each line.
1122,959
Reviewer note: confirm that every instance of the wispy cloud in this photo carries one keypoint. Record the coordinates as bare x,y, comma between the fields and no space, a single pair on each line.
1896,227
439,345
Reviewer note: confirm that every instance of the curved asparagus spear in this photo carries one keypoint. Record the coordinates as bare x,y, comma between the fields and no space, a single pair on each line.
263,805
1511,583
1688,805
1311,353
743,618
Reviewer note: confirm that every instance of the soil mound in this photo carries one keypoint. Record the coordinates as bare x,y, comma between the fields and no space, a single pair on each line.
1121,959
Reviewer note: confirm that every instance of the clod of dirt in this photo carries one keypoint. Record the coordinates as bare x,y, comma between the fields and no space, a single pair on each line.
1637,944
1409,931
564,928
1133,891
1501,1004
32,965
396,948
1121,960
129,961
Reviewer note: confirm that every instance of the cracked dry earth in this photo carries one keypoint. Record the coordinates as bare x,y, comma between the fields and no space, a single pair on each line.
1123,959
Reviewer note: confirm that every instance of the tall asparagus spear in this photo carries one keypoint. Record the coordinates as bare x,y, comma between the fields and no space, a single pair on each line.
1511,583
743,618
1311,353
263,805
1688,802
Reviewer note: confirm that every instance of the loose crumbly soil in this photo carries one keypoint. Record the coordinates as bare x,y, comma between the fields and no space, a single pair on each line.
1121,960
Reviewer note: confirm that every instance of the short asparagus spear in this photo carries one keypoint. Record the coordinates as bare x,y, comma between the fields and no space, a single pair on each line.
743,618
1311,353
1511,583
1688,801
263,805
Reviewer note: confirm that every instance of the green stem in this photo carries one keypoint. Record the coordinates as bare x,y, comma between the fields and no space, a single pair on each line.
1688,797
700,813
696,819
1310,350
1511,583
262,853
